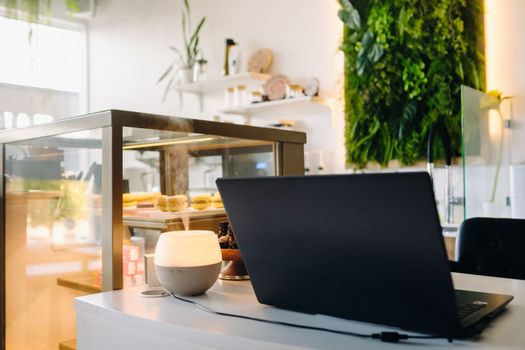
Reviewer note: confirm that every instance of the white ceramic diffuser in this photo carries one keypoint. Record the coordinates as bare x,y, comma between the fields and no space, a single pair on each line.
187,262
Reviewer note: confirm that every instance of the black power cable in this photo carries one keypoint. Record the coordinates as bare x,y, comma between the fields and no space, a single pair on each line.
389,337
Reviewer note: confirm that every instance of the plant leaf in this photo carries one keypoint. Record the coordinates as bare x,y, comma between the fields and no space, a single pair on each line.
401,24
369,54
362,59
197,30
196,48
349,15
354,37
193,47
167,89
179,54
165,74
375,53
460,72
407,117
184,30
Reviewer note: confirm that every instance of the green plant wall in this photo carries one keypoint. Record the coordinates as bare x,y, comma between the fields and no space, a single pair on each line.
405,61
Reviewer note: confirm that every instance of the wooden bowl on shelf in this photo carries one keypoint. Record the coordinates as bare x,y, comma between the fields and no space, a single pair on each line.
234,269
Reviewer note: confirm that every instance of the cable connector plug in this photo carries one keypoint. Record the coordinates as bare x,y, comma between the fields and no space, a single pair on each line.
390,337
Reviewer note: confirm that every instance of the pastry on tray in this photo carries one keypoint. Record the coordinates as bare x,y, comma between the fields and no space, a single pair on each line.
216,200
172,203
201,201
139,199
177,203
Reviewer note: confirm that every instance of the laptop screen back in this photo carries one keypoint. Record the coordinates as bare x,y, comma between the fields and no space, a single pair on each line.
366,247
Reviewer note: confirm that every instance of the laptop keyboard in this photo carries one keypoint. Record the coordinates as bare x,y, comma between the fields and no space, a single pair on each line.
467,309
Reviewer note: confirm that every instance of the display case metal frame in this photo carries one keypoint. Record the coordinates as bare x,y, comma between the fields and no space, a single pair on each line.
288,152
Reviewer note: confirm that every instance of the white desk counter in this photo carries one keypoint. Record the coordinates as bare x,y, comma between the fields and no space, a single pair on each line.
125,320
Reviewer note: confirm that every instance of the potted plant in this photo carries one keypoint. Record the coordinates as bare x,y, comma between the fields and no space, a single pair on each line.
181,68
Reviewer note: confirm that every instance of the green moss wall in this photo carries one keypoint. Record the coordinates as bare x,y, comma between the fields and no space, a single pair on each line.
405,61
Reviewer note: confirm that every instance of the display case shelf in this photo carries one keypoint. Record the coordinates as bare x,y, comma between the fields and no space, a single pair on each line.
214,84
80,283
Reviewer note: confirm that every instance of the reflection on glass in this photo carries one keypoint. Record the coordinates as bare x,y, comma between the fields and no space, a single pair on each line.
53,220
486,153
191,162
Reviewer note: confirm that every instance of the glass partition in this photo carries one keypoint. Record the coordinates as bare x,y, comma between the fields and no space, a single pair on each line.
486,130
52,241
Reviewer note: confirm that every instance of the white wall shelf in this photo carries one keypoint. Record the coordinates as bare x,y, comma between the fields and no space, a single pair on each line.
251,80
220,83
266,106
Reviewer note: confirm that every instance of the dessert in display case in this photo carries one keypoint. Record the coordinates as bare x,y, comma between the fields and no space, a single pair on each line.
84,198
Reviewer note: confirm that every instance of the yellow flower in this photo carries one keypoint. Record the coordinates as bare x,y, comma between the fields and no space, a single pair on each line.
495,93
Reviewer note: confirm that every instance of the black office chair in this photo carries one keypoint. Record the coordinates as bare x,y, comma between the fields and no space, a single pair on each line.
491,247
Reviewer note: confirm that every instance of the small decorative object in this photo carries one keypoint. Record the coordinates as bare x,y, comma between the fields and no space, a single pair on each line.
320,165
264,95
235,269
311,88
228,97
199,70
294,91
260,61
150,276
288,89
187,262
307,165
229,44
240,97
298,91
185,76
275,87
256,97
181,69
283,124
234,60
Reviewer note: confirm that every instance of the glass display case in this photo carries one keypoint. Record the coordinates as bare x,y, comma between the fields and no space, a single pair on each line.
77,204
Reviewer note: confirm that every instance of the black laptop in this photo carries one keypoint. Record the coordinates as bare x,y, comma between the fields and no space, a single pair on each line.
365,247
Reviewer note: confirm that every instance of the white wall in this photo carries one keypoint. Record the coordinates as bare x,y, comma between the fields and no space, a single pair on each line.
129,39
505,29
128,52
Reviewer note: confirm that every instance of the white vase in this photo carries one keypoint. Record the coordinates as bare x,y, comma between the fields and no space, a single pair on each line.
186,75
